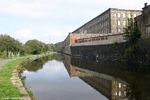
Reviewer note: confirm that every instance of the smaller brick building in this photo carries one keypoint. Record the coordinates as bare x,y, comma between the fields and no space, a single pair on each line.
143,21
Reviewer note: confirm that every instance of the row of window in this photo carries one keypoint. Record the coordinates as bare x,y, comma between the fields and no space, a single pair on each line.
103,17
101,28
148,30
123,23
98,30
125,15
99,19
104,27
120,29
103,31
98,26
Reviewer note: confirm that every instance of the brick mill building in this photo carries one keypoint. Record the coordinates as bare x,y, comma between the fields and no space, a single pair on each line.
112,20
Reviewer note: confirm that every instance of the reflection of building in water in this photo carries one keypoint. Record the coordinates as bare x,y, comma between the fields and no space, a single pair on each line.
112,88
102,76
73,71
119,90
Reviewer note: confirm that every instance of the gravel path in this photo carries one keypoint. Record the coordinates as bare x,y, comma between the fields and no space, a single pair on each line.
3,62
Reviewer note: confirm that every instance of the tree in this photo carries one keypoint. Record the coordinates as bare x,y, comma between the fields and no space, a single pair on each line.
131,32
36,47
9,45
33,47
51,47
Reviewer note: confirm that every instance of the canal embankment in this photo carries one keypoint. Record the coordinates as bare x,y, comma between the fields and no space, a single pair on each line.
3,62
8,90
11,84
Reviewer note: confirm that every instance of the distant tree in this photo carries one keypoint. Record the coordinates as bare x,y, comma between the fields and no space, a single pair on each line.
36,47
33,47
51,47
58,47
9,45
17,47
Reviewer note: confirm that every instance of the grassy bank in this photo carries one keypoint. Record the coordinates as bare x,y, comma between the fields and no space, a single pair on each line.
7,89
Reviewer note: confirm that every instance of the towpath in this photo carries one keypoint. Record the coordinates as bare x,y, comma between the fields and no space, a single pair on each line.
3,62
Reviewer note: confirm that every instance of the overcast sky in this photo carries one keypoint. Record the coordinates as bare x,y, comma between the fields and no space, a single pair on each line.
51,20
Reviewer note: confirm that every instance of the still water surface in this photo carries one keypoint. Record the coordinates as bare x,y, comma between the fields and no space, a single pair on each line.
65,78
52,82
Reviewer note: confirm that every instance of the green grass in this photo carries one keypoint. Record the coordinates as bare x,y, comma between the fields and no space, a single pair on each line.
7,89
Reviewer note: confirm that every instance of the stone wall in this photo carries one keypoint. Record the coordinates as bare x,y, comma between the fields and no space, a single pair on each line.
70,40
145,45
99,52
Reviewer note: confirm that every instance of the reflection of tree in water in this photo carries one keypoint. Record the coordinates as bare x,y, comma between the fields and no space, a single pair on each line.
58,57
37,64
139,84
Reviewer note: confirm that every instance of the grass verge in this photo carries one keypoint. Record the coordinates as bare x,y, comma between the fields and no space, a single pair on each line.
7,89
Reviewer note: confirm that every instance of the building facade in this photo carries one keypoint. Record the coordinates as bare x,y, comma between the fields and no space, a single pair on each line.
112,20
143,21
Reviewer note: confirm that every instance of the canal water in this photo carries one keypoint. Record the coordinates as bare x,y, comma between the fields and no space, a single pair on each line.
65,78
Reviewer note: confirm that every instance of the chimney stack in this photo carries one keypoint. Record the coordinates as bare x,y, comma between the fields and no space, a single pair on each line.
145,4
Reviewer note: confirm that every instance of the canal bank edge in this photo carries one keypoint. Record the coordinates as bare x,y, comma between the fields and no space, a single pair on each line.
8,90
16,80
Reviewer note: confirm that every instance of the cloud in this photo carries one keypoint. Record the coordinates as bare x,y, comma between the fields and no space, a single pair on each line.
25,34
27,73
52,20
47,36
60,8
40,8
55,68
27,8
